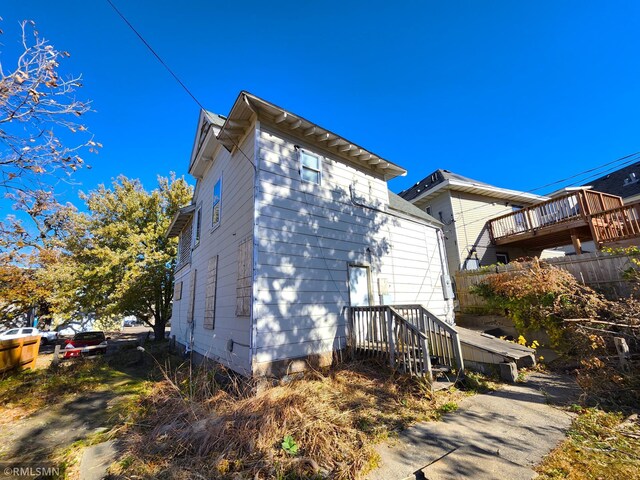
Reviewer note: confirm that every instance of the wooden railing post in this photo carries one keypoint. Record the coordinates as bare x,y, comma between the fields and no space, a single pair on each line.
392,347
529,223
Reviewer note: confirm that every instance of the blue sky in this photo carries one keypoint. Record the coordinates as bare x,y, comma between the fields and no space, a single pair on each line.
517,94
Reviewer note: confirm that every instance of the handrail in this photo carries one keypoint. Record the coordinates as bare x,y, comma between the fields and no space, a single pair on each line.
580,204
448,353
409,336
617,224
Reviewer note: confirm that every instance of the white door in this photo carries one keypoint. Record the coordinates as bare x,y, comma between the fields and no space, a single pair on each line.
359,286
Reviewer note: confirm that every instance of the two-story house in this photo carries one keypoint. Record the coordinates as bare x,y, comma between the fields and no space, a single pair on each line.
289,225
464,206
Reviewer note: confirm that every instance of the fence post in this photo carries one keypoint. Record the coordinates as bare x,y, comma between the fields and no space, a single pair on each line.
623,352
56,355
392,346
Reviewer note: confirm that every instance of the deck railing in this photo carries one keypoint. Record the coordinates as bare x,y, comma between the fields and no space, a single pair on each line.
563,209
408,336
617,224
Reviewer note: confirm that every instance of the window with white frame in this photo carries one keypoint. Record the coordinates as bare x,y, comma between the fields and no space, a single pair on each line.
217,203
310,167
197,227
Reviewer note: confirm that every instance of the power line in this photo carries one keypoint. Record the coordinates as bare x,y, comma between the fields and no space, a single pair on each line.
628,158
173,74
601,174
586,171
155,54
628,161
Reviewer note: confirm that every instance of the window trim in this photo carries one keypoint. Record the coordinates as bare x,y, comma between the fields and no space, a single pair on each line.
304,151
502,254
213,205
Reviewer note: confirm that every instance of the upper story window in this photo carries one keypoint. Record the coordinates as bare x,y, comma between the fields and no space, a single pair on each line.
310,167
217,203
197,228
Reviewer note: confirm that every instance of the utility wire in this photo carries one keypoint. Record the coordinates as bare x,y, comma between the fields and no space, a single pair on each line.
155,54
628,158
587,171
173,74
487,217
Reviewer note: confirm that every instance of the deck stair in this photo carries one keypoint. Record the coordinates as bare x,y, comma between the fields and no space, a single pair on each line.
415,341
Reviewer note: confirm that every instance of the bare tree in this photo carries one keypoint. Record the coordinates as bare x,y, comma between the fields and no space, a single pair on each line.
35,102
41,139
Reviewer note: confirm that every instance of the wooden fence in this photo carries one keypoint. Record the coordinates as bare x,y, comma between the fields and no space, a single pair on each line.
19,353
602,272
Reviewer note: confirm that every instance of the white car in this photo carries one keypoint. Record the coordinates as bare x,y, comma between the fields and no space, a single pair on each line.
45,337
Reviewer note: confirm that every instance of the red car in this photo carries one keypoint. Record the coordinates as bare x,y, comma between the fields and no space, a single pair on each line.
86,343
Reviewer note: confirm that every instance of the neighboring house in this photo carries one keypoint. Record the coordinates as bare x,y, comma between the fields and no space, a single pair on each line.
624,183
464,206
289,225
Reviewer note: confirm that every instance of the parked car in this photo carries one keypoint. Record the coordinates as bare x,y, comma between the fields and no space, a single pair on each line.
129,323
45,337
85,344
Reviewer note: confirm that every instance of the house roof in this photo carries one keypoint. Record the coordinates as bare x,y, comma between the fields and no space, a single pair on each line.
440,180
229,131
215,118
180,219
399,204
624,182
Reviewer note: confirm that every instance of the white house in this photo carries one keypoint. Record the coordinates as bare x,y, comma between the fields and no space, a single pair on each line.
289,225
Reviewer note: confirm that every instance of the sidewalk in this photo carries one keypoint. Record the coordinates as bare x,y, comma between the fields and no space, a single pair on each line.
500,435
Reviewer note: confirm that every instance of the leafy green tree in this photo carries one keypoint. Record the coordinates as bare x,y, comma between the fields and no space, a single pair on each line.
117,260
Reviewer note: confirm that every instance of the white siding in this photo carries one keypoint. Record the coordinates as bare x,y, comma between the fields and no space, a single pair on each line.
235,226
442,209
308,234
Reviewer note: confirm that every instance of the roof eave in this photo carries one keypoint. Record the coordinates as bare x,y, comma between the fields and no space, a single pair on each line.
489,190
316,134
179,220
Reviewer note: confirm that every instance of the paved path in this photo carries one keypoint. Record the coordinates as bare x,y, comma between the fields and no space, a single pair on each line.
500,435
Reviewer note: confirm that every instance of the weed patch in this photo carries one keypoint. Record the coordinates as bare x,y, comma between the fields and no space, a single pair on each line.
600,445
321,425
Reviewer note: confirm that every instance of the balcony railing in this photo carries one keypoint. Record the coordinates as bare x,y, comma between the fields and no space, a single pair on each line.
617,225
566,209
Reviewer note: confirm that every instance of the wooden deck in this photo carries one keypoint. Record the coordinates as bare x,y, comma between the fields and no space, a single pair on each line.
569,219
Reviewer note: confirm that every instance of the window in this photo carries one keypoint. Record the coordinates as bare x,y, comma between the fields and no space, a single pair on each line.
502,258
428,210
217,203
197,228
310,167
15,331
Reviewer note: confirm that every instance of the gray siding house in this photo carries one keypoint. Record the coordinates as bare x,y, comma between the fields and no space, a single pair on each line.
289,225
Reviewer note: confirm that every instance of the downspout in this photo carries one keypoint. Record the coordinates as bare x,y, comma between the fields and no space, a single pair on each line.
446,277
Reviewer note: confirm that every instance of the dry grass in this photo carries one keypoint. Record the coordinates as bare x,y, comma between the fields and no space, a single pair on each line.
600,446
195,428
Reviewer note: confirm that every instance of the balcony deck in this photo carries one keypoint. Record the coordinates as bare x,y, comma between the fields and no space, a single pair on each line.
577,216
